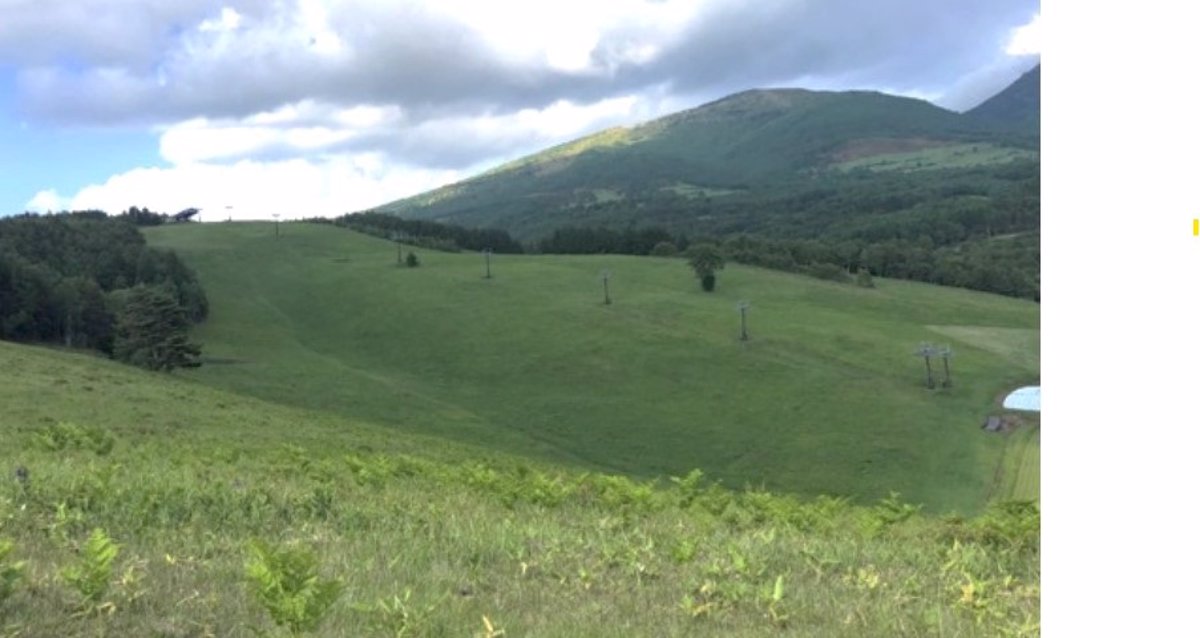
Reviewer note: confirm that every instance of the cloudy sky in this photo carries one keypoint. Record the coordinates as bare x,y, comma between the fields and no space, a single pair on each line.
321,107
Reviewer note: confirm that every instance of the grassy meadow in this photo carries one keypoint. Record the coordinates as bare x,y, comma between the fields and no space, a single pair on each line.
143,504
373,450
826,398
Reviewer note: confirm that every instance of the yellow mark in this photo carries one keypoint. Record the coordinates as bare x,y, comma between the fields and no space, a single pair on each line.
1196,227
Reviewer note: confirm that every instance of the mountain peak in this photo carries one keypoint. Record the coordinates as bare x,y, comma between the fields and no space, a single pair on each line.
702,168
1017,107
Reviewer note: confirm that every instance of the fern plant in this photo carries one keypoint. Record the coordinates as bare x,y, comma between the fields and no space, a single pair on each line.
64,436
890,511
91,574
285,581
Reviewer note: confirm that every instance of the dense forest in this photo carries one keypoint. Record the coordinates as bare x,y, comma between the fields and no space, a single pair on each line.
88,280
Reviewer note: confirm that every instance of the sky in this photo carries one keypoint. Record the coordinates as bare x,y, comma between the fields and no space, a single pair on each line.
304,108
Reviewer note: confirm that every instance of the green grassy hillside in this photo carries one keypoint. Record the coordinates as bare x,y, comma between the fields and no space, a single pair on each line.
826,397
133,504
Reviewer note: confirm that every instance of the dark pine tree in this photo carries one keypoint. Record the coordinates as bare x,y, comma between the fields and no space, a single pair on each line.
151,331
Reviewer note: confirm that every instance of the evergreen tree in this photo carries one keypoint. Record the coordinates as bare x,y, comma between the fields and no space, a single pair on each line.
152,331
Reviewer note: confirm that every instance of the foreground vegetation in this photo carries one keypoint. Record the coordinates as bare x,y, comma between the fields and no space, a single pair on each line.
825,397
140,504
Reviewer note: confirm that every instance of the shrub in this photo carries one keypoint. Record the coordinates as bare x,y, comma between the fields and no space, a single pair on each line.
412,261
864,278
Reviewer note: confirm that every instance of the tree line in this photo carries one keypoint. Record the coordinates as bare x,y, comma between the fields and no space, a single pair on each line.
429,234
964,247
1006,265
87,280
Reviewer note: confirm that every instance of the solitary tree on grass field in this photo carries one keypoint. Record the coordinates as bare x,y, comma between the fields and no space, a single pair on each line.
705,261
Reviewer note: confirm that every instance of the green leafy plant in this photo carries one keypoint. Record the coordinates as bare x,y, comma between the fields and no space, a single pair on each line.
67,521
11,573
285,580
1010,524
891,511
774,603
368,471
92,572
67,436
684,551
688,486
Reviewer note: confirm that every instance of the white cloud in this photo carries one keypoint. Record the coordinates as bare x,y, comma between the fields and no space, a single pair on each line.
389,98
199,140
295,188
191,58
528,129
292,130
314,21
303,128
1021,51
1026,39
229,20
565,36
45,201
310,158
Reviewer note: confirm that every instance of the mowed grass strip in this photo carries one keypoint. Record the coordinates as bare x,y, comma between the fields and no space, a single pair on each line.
825,398
1020,474
940,157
